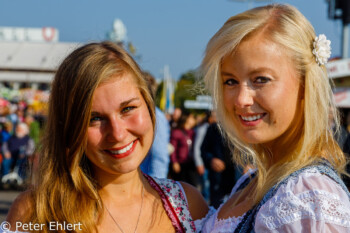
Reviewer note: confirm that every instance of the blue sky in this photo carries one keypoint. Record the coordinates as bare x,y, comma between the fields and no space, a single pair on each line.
164,32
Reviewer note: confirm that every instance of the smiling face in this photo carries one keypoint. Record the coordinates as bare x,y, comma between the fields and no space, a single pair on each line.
260,90
120,131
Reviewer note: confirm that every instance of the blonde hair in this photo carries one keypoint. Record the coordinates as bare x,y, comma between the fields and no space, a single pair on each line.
64,188
309,138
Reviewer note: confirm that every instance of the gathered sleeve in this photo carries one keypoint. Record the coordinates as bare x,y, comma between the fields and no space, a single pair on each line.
312,202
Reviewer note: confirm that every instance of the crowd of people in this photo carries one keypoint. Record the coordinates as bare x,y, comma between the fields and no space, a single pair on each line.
272,151
20,127
200,156
187,147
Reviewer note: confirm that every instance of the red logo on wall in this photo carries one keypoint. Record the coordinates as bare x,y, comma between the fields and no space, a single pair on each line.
48,33
340,96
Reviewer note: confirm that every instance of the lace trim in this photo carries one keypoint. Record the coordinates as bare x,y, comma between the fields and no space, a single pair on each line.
199,223
314,204
227,224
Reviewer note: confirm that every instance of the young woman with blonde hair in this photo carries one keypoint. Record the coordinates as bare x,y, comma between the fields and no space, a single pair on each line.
100,127
265,69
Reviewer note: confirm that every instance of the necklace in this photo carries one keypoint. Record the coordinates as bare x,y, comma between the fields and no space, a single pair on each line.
138,218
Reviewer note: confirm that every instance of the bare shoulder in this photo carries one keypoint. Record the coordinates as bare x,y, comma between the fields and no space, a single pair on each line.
196,203
21,208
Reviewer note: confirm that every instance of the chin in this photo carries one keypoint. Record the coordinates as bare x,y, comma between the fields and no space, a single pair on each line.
250,139
131,166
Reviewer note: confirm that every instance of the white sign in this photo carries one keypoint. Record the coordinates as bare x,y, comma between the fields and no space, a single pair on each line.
45,34
339,68
342,97
193,104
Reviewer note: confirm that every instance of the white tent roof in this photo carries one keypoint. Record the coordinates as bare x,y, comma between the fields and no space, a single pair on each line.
30,61
33,56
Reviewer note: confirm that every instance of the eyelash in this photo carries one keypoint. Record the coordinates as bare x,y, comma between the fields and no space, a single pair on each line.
95,119
128,109
228,82
258,80
263,79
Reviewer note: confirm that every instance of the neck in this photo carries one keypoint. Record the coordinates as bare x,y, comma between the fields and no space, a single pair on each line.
280,150
122,187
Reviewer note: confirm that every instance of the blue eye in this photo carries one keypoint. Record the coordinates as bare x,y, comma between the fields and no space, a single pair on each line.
128,109
95,119
262,79
230,82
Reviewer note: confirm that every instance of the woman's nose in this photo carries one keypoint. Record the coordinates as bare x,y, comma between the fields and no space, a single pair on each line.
117,130
244,96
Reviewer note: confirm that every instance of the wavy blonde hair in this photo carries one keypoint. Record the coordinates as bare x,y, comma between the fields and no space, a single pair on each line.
308,138
64,187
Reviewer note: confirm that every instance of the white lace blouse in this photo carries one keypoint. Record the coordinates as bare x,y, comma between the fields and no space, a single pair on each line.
311,202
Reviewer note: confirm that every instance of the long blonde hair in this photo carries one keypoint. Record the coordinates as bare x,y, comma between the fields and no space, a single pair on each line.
309,137
64,188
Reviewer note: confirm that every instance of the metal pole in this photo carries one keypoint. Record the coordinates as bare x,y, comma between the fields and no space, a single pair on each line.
345,41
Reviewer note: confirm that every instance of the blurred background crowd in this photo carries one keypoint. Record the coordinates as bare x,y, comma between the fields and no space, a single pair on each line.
188,144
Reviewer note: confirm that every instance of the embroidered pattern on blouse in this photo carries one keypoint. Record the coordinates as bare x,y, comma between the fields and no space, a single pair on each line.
227,224
313,204
212,224
178,204
199,223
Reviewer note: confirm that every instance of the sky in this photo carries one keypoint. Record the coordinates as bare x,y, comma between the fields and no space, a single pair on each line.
164,32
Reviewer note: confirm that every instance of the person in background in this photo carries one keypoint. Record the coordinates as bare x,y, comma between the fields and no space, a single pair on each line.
265,69
175,118
200,130
346,150
5,133
182,164
217,158
34,128
156,163
4,111
340,134
16,151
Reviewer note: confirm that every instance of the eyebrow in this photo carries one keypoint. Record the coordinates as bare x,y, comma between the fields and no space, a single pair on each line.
262,70
226,74
126,102
258,70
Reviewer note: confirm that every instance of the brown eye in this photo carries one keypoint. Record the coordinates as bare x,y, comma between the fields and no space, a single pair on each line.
262,79
230,82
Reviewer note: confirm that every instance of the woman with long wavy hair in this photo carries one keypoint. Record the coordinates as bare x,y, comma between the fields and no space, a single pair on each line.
100,127
265,69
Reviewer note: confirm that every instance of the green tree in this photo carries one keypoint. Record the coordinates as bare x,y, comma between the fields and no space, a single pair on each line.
186,88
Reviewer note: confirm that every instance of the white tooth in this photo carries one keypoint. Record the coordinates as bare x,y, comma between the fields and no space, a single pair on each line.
122,151
252,118
117,152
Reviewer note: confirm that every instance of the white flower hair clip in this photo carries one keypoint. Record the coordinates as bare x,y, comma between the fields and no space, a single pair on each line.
322,49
